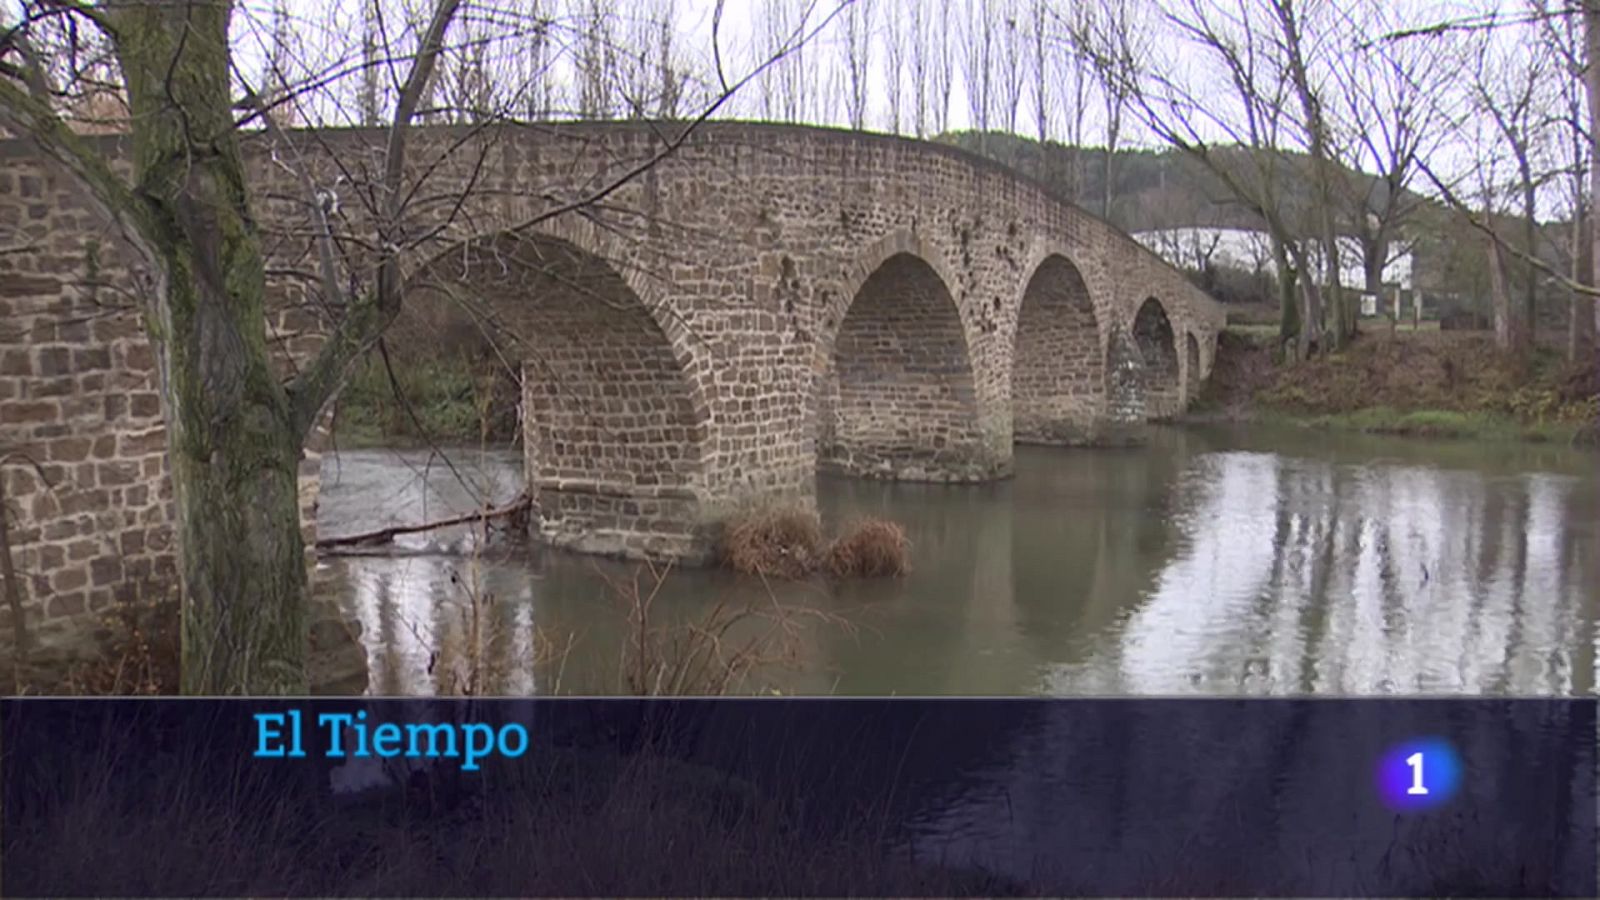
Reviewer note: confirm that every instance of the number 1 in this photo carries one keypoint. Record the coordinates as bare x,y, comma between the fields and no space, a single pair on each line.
1415,762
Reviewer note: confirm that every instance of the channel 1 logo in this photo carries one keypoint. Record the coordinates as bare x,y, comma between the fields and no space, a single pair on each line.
1419,774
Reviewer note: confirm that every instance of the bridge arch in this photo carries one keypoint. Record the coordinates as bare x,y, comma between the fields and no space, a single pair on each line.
1058,371
615,426
1158,350
896,394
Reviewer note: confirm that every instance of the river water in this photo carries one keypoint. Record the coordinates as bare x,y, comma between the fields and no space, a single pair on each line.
1214,561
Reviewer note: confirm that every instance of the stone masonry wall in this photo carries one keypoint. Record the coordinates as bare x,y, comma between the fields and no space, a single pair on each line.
83,446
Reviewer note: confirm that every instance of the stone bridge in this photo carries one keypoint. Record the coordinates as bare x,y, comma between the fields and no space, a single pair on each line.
763,302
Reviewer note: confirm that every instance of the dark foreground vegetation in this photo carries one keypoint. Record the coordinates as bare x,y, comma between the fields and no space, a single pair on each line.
554,822
1423,383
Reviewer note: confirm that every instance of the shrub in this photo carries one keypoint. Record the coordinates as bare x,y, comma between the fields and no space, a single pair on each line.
781,542
871,548
139,652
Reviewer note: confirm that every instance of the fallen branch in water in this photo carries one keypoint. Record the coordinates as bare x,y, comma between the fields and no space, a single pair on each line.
521,505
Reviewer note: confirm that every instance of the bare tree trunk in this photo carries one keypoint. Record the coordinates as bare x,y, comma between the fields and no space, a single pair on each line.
1374,254
1580,312
232,437
1288,302
1113,132
1505,336
1527,335
1591,80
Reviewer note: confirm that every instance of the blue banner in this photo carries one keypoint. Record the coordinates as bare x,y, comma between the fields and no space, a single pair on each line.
825,797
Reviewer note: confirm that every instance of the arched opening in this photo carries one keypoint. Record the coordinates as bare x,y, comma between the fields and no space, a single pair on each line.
1158,349
1193,359
1058,374
614,436
896,396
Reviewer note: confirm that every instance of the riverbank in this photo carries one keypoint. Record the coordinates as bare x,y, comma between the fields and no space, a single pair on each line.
441,400
1421,384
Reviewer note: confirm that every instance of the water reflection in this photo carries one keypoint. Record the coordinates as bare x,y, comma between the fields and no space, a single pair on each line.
1211,562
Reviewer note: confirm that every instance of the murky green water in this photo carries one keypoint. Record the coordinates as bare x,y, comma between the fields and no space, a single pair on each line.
1210,562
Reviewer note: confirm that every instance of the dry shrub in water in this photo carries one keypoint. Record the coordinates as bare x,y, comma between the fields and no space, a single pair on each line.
780,542
729,649
871,548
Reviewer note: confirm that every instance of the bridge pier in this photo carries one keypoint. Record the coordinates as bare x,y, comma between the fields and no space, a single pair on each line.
619,520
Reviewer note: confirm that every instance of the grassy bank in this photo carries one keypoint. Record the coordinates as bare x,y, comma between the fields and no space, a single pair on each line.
1425,384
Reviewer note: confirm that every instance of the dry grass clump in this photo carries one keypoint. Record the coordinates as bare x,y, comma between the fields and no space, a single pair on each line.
787,542
731,649
871,548
777,542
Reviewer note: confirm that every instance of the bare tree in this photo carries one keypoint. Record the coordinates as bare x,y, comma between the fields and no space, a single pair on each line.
1074,65
1387,119
977,66
1242,52
895,56
1507,90
1040,43
1113,26
1012,58
920,70
1300,55
943,75
1591,84
1563,35
858,61
370,110
597,61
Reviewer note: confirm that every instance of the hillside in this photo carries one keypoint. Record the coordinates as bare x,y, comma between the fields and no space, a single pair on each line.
1159,189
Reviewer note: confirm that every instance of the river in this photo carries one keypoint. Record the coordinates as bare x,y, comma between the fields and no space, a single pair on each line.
1214,561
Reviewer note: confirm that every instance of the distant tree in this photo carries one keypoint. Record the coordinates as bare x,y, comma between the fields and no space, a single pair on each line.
1040,43
943,71
1012,58
1508,89
858,60
1243,52
977,65
921,71
1385,120
895,50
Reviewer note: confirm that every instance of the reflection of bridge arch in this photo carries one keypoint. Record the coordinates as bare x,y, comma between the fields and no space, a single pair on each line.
614,424
1058,369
